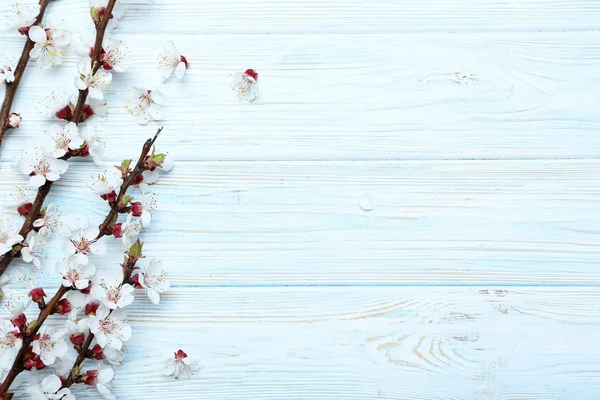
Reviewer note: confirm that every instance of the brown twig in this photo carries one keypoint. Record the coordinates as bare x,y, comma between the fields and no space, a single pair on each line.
17,366
45,189
11,87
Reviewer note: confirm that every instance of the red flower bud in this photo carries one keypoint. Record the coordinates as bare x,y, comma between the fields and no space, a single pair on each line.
91,308
25,209
139,178
117,230
110,197
90,378
252,73
136,282
65,113
78,339
24,30
29,364
63,307
96,352
37,296
180,355
137,209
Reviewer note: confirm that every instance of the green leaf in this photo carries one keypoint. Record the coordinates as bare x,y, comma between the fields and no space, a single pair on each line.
136,249
125,201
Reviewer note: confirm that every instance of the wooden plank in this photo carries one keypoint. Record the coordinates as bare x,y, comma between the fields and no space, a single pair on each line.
343,223
360,97
346,16
435,343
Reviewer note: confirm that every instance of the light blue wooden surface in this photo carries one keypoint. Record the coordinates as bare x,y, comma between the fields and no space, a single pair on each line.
408,211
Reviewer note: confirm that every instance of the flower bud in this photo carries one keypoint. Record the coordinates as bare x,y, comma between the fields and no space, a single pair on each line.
139,178
24,209
137,209
90,378
110,197
91,308
19,320
65,113
117,230
37,296
14,120
62,307
96,352
77,339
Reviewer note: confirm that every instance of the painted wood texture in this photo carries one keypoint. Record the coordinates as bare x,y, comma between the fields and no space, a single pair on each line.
408,211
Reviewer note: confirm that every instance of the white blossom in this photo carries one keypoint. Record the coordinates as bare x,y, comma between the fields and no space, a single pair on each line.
108,288
21,196
41,166
75,275
148,206
64,138
130,229
245,84
33,251
10,342
78,302
88,80
49,221
50,389
93,141
181,366
50,346
106,182
9,236
110,328
114,356
154,280
98,10
151,177
82,240
143,104
105,375
22,17
116,56
59,100
50,43
7,72
171,62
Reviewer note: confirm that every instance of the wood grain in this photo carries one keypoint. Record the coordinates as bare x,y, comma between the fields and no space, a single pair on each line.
435,343
418,222
365,97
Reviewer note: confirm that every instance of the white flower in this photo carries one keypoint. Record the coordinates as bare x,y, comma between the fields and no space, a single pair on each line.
181,366
10,342
6,72
143,104
114,356
75,275
50,43
107,182
62,139
50,389
154,280
110,328
41,166
50,346
105,375
82,242
130,229
148,205
88,80
48,222
58,102
116,55
21,196
78,302
34,250
77,327
95,144
9,236
22,17
108,289
151,177
245,84
171,62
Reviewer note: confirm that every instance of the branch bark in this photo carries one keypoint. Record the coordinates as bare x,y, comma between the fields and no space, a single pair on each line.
11,88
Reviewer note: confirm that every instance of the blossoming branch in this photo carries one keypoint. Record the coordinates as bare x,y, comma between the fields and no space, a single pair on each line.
101,297
24,18
45,164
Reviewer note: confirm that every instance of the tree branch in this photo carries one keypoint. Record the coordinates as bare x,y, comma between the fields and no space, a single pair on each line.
11,88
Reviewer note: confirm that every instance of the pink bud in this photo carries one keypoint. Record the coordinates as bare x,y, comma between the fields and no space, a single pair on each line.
90,378
19,321
91,308
24,209
96,352
252,73
78,339
110,197
137,209
37,295
180,355
14,120
117,230
63,307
